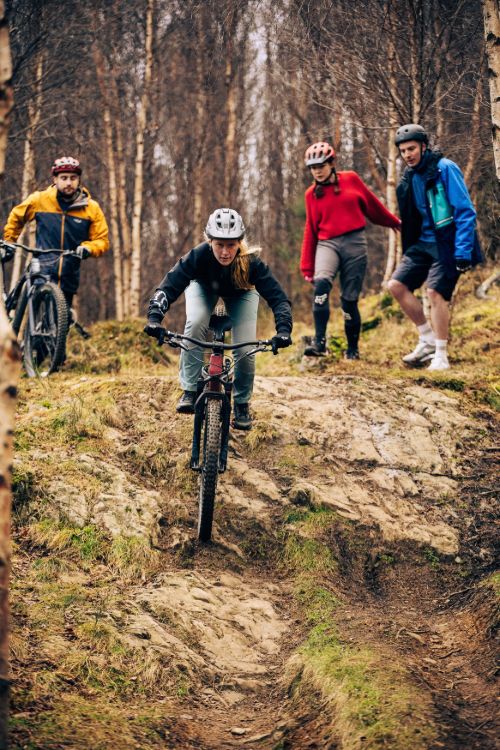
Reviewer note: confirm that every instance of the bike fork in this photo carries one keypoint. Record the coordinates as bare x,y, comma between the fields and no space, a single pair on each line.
198,422
225,416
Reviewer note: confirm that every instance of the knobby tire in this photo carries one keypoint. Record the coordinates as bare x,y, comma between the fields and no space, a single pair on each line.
210,468
45,350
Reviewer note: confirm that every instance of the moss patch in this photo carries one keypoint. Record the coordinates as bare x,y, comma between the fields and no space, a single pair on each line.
371,699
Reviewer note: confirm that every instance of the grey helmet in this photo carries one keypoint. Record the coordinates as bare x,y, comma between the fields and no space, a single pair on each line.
225,224
411,132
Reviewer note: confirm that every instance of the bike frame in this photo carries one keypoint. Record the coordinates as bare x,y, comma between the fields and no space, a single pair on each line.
31,280
215,383
33,277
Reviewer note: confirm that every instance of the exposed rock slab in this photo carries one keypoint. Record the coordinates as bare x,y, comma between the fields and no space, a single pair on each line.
219,625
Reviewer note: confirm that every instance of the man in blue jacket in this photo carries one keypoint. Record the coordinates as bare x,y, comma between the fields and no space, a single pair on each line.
439,241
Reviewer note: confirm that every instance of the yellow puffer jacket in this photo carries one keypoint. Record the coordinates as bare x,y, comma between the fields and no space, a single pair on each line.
82,223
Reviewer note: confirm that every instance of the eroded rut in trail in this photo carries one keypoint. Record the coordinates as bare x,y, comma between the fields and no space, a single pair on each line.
220,623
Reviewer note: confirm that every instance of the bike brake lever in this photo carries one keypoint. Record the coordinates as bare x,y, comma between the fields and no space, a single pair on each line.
173,343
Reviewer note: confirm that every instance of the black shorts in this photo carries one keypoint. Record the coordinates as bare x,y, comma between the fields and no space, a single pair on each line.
419,266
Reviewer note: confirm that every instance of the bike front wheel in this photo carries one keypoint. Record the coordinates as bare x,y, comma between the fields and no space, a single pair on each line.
45,334
210,468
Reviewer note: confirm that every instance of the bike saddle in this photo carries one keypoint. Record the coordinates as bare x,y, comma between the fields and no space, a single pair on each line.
219,324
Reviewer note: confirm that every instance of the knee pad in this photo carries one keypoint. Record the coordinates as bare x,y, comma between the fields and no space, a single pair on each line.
321,291
350,309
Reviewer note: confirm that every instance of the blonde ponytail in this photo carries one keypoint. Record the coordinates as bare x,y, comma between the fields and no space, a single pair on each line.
240,268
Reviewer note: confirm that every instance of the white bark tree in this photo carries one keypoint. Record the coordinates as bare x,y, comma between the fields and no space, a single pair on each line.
142,116
491,9
9,374
34,114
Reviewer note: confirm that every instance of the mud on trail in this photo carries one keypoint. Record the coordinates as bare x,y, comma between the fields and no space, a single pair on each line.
346,601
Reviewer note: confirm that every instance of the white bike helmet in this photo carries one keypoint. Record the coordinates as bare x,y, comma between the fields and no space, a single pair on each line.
225,224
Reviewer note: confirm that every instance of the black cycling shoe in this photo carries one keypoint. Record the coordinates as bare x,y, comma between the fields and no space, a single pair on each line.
351,354
185,404
242,419
316,349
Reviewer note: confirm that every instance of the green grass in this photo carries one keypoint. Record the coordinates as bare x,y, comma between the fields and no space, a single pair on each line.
370,700
431,556
88,543
493,582
374,703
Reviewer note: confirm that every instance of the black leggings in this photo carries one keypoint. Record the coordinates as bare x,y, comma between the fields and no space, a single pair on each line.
352,322
321,314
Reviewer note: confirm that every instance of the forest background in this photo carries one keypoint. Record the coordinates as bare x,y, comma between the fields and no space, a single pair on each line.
178,107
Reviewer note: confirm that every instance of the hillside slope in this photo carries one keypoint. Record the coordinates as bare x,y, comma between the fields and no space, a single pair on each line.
349,597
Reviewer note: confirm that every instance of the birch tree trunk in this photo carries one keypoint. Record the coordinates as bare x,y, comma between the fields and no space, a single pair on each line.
135,264
112,183
10,365
372,164
113,209
121,163
230,151
34,113
200,120
491,11
230,144
415,62
9,373
6,91
392,204
392,155
475,145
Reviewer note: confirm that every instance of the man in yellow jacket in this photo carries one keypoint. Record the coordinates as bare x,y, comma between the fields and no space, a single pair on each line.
67,218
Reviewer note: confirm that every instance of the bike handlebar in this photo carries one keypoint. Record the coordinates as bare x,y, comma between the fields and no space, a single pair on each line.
36,251
170,336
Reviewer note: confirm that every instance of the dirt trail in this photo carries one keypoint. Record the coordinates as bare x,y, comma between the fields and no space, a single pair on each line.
219,623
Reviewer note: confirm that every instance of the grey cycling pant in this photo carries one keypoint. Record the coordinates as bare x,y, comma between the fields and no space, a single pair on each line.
346,253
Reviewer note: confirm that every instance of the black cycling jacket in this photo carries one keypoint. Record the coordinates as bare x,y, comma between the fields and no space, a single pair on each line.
200,265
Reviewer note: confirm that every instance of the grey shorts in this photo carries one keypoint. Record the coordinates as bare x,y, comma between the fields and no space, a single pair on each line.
421,264
346,254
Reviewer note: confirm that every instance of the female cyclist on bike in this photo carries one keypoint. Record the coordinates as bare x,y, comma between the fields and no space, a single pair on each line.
337,205
222,266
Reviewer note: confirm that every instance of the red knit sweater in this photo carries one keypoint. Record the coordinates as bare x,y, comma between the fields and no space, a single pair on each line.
335,214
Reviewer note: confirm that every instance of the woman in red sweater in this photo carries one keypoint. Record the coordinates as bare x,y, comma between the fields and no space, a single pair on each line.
337,206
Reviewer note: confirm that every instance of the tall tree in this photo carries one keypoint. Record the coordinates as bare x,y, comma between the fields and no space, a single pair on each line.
491,9
9,373
142,116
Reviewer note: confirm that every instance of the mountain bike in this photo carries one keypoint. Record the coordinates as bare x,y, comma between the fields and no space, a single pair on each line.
212,415
41,306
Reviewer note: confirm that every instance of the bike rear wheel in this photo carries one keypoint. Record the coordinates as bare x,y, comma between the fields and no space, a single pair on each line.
45,335
210,468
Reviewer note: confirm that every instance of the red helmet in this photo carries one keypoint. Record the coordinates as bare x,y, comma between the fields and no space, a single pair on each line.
318,153
66,164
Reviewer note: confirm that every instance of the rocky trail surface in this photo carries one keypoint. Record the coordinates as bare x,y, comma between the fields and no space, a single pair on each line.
345,601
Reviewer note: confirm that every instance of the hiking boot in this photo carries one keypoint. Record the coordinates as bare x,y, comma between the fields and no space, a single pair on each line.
423,352
242,419
185,404
316,349
439,362
351,354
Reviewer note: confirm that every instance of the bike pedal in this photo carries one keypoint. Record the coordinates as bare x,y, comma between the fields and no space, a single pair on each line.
82,331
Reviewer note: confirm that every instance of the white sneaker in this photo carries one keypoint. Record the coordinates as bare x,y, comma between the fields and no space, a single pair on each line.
423,352
439,362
